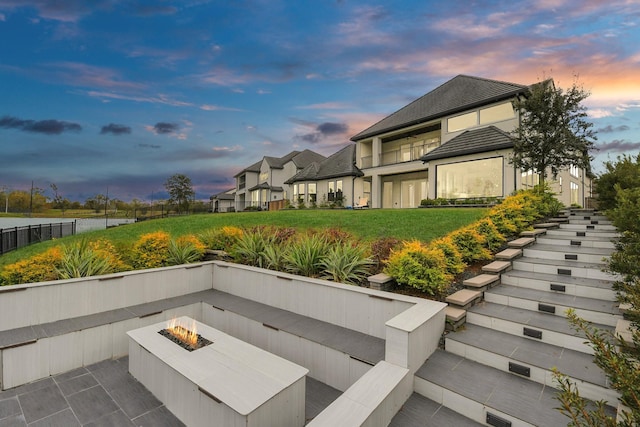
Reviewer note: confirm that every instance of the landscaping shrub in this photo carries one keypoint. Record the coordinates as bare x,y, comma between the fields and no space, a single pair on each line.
85,259
453,259
185,250
151,250
304,255
250,248
38,268
381,250
346,263
221,239
471,245
505,226
493,238
420,267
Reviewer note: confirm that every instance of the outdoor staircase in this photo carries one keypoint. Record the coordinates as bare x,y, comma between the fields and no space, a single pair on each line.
496,369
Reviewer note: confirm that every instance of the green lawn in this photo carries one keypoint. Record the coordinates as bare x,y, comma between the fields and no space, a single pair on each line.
366,224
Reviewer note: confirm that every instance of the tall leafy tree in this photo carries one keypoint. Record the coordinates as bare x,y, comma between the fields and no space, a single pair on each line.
180,191
554,132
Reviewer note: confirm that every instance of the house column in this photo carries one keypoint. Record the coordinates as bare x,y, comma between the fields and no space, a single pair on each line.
376,191
376,149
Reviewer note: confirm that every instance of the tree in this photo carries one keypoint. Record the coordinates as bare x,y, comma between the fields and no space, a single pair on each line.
625,172
180,191
553,133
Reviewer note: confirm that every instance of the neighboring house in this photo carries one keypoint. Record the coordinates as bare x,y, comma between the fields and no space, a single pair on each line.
452,143
224,201
333,181
264,182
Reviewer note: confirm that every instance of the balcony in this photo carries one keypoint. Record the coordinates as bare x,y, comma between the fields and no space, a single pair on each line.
406,153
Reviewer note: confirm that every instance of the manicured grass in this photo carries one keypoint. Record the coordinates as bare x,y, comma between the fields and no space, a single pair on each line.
366,224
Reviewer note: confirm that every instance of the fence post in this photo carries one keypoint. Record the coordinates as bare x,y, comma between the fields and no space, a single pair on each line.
1,241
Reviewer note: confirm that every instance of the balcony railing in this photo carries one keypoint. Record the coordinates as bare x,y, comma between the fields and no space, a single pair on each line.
400,155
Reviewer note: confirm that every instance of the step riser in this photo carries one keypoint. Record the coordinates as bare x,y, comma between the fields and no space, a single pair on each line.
560,255
589,273
570,289
591,316
537,374
566,243
585,227
471,409
514,328
587,233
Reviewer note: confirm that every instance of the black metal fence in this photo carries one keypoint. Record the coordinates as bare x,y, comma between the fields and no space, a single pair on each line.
17,237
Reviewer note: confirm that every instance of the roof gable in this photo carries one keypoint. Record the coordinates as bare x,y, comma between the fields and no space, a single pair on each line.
341,163
458,94
481,140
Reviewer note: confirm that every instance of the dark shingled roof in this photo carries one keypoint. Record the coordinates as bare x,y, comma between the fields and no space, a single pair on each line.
458,94
342,163
481,140
299,158
264,186
224,195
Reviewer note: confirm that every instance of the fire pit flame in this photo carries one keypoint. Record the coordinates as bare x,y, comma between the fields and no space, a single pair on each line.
186,337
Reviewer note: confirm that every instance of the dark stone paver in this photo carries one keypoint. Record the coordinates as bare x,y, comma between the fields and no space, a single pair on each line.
105,394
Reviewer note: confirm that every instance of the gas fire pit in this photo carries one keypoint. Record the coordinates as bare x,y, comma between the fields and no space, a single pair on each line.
219,380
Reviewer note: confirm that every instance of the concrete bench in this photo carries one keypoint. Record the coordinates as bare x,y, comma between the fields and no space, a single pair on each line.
33,352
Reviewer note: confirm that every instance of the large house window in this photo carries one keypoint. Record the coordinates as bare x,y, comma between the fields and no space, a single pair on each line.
255,198
476,178
301,192
264,176
366,190
497,113
312,192
463,121
530,179
574,193
335,190
574,171
241,181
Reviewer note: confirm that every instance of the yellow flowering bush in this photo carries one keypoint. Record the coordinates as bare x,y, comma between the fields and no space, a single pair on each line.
493,238
221,238
151,250
421,267
38,268
470,244
453,259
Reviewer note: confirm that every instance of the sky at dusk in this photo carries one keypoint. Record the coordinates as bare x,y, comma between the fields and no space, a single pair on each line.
123,94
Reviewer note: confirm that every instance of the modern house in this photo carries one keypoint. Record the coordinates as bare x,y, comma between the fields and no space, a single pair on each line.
264,181
454,142
332,181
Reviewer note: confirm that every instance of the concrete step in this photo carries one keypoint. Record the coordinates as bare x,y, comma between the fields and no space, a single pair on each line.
562,284
533,360
584,242
587,227
418,411
552,303
563,267
534,325
583,233
589,221
572,253
487,395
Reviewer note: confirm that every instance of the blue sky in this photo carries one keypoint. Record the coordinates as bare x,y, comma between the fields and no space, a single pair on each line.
124,94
